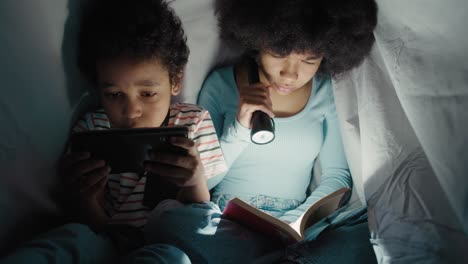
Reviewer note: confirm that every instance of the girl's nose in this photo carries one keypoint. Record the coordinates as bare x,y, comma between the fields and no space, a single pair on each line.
289,72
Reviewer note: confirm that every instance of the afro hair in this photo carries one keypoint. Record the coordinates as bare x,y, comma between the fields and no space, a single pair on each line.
143,29
339,30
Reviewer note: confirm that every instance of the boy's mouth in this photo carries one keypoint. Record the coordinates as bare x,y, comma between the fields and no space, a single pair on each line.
124,125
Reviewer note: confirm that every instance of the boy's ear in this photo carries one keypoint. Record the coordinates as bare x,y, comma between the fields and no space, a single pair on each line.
177,86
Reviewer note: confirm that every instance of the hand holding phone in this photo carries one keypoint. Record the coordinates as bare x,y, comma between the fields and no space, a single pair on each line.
85,181
178,163
173,168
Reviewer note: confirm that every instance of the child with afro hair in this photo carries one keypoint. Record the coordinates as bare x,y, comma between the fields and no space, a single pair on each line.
296,47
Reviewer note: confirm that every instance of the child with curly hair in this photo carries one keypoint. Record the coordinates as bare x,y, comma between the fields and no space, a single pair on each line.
297,47
134,52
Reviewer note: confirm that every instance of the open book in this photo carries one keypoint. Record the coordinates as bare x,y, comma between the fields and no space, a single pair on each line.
245,214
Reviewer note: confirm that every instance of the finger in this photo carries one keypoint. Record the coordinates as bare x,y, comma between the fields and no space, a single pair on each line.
254,87
255,99
74,157
79,171
73,173
186,161
177,175
256,104
91,179
254,90
252,103
268,111
99,186
269,88
87,166
185,143
168,146
255,93
259,91
250,108
182,142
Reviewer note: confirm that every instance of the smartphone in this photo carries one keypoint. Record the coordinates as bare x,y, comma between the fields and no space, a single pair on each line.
124,149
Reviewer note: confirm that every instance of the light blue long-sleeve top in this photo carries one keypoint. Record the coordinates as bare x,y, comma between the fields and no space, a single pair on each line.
282,168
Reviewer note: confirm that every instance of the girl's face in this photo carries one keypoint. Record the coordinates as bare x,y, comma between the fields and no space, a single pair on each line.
135,93
289,73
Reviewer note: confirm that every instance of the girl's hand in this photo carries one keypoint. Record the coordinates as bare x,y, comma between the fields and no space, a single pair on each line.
183,168
252,98
86,179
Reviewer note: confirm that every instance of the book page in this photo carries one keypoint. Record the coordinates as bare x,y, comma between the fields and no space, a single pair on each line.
322,208
296,225
245,214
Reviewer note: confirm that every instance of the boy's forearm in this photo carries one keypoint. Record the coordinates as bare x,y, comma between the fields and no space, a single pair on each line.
95,216
194,194
97,220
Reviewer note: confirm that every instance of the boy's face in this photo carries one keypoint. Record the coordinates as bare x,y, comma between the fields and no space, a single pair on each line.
135,93
291,72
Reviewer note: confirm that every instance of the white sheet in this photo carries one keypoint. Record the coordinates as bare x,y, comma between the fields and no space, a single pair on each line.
408,127
403,115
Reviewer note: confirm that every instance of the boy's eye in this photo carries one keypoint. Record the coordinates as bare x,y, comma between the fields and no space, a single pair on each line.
113,94
148,94
274,55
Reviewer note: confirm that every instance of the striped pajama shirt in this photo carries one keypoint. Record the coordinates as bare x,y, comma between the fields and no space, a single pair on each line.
125,191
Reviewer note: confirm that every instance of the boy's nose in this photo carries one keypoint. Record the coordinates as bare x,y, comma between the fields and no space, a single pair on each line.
132,109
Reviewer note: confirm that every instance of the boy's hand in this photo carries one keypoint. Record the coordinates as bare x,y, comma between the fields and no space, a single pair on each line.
184,169
252,98
86,178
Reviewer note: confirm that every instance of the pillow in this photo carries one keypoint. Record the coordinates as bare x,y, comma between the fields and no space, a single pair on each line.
207,51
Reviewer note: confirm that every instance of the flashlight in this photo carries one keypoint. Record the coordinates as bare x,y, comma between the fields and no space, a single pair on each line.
263,128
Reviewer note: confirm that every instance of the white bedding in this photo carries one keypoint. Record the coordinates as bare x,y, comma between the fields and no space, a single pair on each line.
403,116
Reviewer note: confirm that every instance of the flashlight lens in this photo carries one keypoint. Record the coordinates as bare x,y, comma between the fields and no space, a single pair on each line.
262,137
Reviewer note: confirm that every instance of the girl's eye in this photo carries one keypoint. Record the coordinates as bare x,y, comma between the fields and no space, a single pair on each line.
309,62
148,94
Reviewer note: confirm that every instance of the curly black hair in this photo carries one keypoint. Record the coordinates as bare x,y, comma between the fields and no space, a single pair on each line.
143,29
340,30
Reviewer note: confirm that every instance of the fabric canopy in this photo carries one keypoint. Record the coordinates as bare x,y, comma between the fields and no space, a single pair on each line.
403,114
